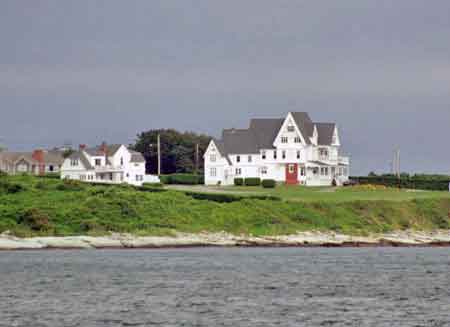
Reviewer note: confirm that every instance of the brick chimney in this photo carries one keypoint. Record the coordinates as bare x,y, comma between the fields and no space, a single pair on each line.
82,147
38,155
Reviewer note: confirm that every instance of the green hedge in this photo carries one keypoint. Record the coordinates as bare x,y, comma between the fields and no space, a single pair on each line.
268,183
238,181
408,182
50,175
252,181
227,198
184,179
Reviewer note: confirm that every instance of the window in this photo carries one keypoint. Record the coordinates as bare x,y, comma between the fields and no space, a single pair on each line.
74,162
333,171
238,171
213,158
298,154
283,154
345,172
315,171
263,170
238,158
291,169
323,153
291,128
139,178
324,171
275,154
302,171
297,139
263,155
82,177
213,172
51,168
121,161
249,158
98,162
284,139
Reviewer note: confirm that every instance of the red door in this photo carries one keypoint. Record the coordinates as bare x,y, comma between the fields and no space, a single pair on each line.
292,174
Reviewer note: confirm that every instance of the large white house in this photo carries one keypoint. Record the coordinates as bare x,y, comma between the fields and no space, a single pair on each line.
293,150
106,164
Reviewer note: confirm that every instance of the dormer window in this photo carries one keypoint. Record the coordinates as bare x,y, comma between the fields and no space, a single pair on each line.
121,161
238,158
297,140
323,153
213,158
291,128
98,162
74,162
284,139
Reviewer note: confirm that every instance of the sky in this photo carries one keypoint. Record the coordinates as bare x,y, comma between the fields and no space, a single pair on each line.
87,71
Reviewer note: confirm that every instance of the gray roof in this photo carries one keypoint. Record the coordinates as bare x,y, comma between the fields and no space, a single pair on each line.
78,155
111,149
262,133
137,157
325,131
50,157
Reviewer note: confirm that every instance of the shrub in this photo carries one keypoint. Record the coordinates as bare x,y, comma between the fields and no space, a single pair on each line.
165,179
227,198
252,181
268,183
35,219
184,179
153,185
238,181
10,188
50,175
70,185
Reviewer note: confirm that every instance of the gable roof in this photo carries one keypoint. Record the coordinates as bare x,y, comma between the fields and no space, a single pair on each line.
111,150
325,131
50,157
261,134
136,157
79,155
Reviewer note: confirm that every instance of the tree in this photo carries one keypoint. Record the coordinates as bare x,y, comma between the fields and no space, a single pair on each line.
177,150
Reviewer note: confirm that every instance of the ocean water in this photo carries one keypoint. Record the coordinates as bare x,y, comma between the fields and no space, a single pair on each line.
226,287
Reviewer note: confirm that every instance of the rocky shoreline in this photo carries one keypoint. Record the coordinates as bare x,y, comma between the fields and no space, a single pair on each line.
303,239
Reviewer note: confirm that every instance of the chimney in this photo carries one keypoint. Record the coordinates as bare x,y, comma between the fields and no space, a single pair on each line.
104,148
82,147
38,155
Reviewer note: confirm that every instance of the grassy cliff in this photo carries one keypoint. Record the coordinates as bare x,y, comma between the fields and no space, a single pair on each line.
33,206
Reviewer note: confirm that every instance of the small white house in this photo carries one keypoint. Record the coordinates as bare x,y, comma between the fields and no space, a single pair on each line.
112,164
292,150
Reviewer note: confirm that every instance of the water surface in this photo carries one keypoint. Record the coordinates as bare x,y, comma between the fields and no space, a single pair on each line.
226,287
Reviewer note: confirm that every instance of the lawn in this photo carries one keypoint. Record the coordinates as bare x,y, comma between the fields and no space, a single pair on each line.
309,194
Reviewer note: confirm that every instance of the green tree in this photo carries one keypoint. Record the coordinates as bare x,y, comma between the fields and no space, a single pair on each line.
177,150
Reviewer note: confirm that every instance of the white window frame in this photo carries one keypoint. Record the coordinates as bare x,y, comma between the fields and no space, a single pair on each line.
238,172
213,158
284,139
213,172
249,159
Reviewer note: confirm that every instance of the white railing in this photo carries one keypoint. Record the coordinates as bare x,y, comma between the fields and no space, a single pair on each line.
344,160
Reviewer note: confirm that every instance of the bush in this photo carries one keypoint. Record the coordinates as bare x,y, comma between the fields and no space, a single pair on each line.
252,181
268,183
50,175
153,185
227,198
238,181
422,182
184,179
10,188
35,219
70,185
165,179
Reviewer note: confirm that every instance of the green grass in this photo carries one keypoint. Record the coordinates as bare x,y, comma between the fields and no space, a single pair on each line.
30,206
342,194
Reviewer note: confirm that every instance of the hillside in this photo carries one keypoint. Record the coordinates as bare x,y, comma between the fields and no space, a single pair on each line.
31,206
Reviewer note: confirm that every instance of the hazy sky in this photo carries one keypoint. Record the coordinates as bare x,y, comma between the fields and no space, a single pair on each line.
86,71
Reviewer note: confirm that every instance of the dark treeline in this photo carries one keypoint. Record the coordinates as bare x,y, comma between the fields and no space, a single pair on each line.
178,150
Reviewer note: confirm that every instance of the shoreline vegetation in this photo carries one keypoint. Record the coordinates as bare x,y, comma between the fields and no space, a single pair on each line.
38,212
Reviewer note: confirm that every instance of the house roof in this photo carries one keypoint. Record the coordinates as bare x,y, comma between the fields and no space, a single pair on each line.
325,131
137,157
79,155
111,150
50,157
261,134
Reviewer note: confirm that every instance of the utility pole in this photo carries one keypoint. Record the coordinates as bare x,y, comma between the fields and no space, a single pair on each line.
159,154
196,158
398,163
